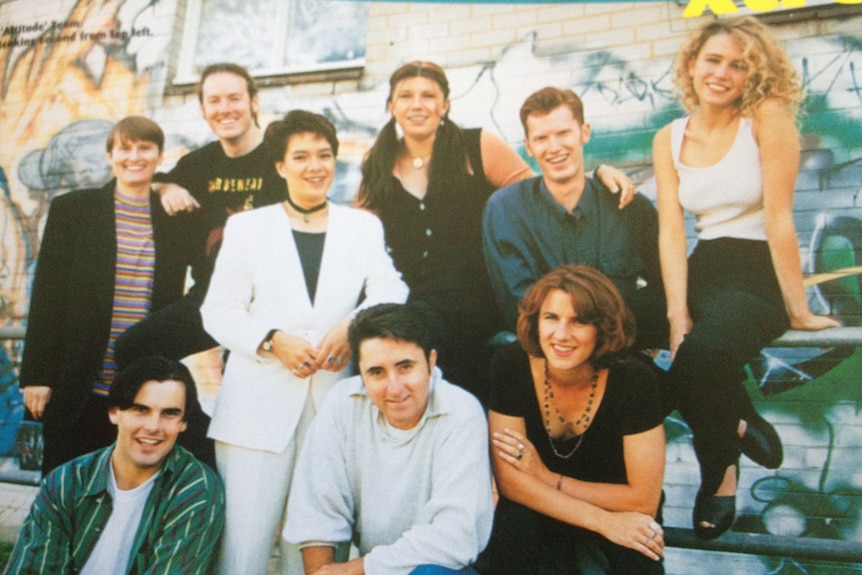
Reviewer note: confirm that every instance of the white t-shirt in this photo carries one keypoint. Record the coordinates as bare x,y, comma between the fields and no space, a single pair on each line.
113,549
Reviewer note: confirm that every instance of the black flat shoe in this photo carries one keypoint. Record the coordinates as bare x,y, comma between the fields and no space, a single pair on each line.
761,443
718,512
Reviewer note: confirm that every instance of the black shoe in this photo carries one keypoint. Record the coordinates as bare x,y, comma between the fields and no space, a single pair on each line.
718,512
761,443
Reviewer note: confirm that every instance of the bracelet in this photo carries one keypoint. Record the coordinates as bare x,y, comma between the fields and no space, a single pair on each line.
560,482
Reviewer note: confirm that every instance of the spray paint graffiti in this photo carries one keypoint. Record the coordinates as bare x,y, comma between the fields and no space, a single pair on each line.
58,97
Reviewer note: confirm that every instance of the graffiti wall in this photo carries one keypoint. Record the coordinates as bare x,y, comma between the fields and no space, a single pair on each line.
70,68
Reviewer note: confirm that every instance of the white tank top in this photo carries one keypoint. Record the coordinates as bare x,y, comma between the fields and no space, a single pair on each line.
727,197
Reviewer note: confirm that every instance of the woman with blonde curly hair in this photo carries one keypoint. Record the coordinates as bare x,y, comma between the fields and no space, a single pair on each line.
732,162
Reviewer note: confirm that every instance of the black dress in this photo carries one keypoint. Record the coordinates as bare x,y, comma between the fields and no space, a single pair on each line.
524,541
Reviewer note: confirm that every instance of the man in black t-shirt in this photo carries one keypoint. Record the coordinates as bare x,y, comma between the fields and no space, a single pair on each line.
227,176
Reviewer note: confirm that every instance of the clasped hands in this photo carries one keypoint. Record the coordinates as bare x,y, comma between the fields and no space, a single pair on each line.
304,360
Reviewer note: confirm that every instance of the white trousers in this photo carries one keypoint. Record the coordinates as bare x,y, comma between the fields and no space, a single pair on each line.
257,484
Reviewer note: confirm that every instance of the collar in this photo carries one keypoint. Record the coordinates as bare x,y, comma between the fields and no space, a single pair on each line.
587,205
102,469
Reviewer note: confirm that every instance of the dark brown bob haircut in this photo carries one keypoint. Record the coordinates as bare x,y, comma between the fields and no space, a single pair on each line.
135,129
595,299
297,122
548,99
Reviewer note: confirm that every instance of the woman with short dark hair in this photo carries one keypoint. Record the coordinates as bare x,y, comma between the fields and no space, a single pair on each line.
287,282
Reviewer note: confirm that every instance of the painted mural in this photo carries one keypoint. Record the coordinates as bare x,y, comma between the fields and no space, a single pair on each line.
69,69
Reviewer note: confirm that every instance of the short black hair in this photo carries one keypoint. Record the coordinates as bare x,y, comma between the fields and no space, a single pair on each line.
402,322
297,122
129,381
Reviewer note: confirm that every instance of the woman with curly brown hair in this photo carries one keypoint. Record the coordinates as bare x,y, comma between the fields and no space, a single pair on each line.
732,162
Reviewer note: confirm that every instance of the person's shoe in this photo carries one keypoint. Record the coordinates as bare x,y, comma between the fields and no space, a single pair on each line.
761,443
713,514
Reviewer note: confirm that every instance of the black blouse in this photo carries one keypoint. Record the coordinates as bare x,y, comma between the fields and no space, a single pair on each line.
630,405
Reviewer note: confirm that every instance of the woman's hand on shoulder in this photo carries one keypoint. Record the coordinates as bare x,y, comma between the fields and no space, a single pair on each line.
811,322
635,531
333,352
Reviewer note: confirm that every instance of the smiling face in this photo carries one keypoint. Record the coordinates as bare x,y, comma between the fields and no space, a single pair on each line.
418,105
556,140
227,106
148,430
566,342
719,71
134,162
308,167
397,377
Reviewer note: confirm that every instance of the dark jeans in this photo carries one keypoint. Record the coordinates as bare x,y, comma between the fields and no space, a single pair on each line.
438,570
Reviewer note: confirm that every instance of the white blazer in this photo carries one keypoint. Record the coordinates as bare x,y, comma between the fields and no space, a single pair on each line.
258,285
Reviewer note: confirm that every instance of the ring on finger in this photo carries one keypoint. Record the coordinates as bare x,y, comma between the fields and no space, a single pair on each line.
654,533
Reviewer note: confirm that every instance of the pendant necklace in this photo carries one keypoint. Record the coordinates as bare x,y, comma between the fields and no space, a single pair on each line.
306,213
418,162
586,417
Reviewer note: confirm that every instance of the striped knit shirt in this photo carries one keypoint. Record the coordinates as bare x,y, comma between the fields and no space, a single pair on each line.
178,533
133,279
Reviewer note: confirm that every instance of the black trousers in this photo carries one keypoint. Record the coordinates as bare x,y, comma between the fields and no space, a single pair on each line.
174,331
736,308
525,542
92,431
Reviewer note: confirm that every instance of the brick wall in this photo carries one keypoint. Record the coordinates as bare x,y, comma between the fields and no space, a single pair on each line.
618,57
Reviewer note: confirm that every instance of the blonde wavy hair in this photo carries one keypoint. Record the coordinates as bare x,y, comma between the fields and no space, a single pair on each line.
770,73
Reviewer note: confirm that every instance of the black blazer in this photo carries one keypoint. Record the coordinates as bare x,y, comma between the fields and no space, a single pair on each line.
71,302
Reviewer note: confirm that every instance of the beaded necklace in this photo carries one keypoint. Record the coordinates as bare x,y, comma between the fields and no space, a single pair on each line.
585,416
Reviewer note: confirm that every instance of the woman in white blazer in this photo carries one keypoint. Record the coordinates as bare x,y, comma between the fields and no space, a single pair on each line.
287,281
